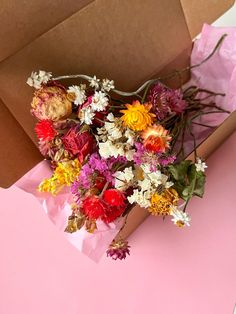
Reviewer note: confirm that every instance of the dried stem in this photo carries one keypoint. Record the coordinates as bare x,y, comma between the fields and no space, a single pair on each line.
149,82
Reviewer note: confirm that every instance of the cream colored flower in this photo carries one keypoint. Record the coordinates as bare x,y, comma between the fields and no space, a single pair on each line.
107,85
124,179
140,197
99,101
37,79
94,82
86,115
78,94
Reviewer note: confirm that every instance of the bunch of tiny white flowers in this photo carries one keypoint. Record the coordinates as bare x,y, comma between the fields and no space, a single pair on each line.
111,139
95,103
36,79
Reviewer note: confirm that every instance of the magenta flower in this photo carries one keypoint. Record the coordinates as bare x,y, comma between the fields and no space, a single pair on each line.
166,100
118,250
166,160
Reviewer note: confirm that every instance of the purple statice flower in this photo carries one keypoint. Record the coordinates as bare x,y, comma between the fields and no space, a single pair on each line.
102,165
166,100
118,250
75,190
84,177
166,160
83,182
139,153
142,156
119,159
98,163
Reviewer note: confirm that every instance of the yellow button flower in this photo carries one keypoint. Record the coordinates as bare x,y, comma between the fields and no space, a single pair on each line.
137,116
161,204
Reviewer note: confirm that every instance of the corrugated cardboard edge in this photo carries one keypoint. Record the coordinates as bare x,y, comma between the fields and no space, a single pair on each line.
137,215
198,12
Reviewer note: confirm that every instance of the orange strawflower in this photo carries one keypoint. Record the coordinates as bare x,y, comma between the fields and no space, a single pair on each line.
156,139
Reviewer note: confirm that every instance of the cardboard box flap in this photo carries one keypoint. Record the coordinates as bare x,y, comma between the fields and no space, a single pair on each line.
128,41
18,154
198,12
23,21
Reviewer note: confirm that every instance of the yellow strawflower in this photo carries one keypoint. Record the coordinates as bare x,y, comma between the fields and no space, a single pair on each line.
137,116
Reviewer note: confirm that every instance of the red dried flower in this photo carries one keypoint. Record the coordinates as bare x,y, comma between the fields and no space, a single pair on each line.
114,198
116,204
100,182
99,118
93,207
79,144
45,130
112,213
108,208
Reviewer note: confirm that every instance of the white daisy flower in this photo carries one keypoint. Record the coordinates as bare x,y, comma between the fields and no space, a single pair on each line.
99,101
140,197
37,79
79,92
200,165
180,218
124,179
94,82
86,115
107,85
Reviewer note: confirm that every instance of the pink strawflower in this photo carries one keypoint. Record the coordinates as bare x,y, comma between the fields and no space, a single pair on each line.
118,250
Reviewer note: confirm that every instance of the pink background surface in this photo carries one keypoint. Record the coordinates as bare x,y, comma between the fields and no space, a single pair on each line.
170,270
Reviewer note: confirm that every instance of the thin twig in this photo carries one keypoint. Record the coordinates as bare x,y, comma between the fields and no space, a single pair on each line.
207,126
144,85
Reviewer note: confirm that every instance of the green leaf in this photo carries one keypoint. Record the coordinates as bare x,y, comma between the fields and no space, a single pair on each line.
200,184
178,171
187,181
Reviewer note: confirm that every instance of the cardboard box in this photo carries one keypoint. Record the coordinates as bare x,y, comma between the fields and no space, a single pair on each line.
128,41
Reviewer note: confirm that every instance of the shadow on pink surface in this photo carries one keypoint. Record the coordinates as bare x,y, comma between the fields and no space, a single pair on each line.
170,270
